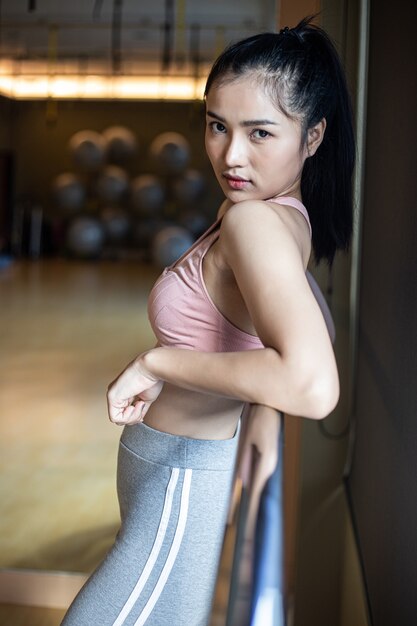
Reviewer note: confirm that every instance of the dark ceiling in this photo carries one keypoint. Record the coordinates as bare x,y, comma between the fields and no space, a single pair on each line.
128,36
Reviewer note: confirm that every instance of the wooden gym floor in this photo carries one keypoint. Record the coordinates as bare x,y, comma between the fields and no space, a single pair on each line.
66,330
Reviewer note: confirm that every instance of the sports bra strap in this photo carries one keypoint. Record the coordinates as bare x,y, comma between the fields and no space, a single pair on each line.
196,243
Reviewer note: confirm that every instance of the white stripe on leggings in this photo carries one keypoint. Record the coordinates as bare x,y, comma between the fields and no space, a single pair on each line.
176,543
160,536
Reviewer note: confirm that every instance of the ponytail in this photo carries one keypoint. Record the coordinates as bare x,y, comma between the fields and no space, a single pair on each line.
326,182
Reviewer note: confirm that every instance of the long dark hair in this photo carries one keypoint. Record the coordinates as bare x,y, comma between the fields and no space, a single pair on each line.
302,71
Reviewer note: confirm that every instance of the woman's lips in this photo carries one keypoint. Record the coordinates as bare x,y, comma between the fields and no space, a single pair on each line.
235,182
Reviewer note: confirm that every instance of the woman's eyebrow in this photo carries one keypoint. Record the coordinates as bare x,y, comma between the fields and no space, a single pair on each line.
217,117
261,122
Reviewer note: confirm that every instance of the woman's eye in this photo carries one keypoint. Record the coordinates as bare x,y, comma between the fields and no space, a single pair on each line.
217,127
259,133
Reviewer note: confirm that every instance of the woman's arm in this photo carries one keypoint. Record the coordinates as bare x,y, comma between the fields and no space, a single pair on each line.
296,371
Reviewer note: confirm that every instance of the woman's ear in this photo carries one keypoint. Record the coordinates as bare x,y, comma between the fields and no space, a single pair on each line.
315,136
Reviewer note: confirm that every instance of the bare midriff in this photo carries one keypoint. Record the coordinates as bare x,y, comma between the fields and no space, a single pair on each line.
194,414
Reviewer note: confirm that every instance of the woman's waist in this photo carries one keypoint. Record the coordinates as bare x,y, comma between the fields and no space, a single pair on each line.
193,414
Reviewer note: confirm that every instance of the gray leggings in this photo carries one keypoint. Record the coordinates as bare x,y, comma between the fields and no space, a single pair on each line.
174,496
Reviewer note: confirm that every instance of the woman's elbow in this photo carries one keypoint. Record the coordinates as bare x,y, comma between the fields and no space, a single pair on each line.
311,390
322,397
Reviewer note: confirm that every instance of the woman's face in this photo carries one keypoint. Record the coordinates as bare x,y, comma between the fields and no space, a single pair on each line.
255,150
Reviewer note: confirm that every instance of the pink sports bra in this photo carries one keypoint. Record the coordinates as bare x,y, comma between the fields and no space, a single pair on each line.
181,311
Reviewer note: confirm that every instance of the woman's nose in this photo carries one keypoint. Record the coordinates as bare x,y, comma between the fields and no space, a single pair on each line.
235,152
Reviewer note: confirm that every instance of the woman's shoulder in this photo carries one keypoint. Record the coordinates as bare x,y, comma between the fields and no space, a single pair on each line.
262,215
257,222
240,212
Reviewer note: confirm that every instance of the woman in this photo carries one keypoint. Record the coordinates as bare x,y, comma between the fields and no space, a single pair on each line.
236,323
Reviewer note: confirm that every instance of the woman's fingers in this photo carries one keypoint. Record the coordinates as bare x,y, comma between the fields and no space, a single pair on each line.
130,395
133,410
132,414
266,465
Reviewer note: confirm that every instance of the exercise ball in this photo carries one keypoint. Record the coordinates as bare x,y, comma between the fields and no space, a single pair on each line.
170,152
169,244
147,195
87,149
68,192
189,187
112,184
121,145
116,223
85,237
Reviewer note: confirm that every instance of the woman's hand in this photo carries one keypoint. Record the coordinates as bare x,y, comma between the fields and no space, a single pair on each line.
130,395
257,461
259,457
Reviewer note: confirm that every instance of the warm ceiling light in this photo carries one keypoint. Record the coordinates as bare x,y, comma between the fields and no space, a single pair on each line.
30,87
